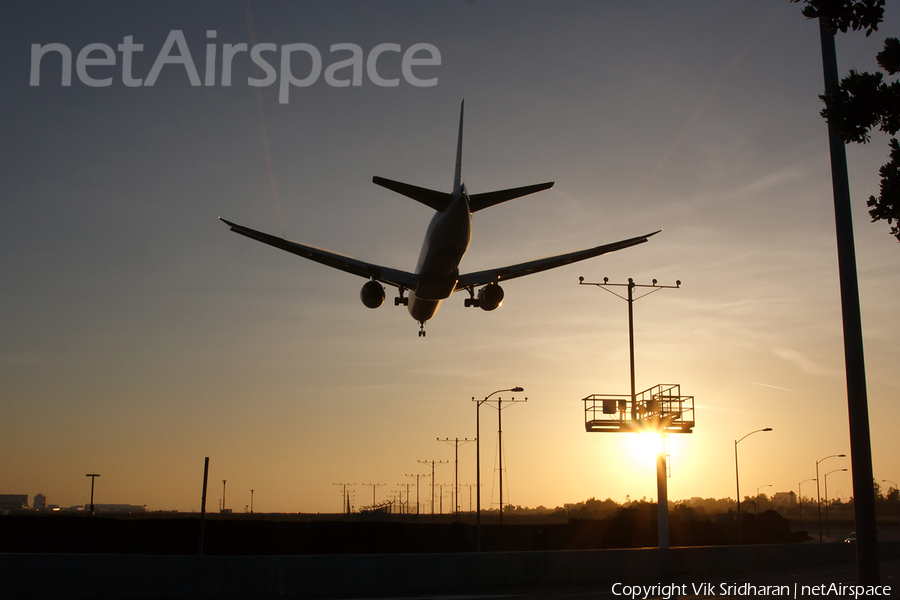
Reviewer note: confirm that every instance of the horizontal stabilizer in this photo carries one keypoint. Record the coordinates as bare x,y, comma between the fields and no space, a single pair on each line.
439,201
480,201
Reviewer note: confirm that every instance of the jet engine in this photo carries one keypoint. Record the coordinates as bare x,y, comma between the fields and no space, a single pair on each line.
372,294
490,297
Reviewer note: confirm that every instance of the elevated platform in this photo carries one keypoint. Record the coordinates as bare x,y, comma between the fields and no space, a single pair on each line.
661,408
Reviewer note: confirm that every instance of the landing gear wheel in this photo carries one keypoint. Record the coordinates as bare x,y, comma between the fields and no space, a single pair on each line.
422,329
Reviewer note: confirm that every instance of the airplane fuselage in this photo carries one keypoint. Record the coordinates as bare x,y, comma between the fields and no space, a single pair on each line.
446,241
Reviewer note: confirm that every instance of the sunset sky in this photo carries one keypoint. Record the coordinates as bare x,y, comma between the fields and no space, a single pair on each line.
138,335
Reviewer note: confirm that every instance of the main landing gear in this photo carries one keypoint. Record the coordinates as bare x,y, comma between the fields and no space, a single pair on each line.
421,328
401,299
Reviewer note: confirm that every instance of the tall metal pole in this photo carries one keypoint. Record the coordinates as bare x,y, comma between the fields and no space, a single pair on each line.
631,346
456,442
662,505
500,444
478,461
433,462
203,504
344,499
737,478
827,531
800,499
251,502
92,476
819,494
500,451
374,485
857,401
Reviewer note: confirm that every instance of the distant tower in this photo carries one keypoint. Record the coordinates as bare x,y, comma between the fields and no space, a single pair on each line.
40,502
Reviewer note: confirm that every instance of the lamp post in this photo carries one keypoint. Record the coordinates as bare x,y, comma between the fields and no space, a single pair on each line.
827,532
818,495
757,496
478,462
92,476
800,499
737,478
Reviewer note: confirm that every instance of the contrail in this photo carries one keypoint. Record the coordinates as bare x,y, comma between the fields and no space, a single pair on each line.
777,387
262,120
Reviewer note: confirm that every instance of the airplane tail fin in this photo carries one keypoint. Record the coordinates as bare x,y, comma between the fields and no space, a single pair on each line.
457,174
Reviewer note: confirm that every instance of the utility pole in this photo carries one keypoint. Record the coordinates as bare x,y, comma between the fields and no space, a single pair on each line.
92,476
432,463
855,365
344,503
470,486
203,505
662,500
417,475
456,442
223,495
478,404
251,502
407,495
500,402
374,485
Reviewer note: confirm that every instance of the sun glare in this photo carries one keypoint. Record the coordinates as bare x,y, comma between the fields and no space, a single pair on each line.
646,445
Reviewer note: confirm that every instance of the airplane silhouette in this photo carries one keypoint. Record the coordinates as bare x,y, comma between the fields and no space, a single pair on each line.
437,272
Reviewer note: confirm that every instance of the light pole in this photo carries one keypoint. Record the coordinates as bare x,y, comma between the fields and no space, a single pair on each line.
456,442
417,475
737,478
827,532
757,496
223,494
478,462
251,502
433,462
92,476
374,485
819,495
800,499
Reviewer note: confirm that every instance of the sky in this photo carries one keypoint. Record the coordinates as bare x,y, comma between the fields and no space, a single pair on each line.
138,335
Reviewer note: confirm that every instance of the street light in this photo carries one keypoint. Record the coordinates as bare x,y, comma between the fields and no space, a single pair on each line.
818,495
757,496
92,476
827,532
800,499
478,462
737,478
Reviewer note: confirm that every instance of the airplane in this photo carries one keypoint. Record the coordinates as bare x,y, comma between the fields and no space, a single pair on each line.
437,275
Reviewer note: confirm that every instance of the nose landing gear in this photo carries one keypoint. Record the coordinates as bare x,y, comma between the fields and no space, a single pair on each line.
421,328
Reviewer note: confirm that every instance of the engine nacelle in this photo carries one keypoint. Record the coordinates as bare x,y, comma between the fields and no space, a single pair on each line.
490,297
372,294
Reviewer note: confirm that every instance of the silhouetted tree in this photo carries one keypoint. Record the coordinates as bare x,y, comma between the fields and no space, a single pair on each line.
864,101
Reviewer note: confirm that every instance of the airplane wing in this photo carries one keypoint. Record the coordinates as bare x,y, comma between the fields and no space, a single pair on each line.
536,266
334,260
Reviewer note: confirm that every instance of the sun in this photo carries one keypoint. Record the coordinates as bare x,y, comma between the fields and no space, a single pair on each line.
646,445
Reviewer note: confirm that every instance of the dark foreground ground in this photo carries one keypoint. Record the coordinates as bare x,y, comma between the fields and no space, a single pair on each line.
251,535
